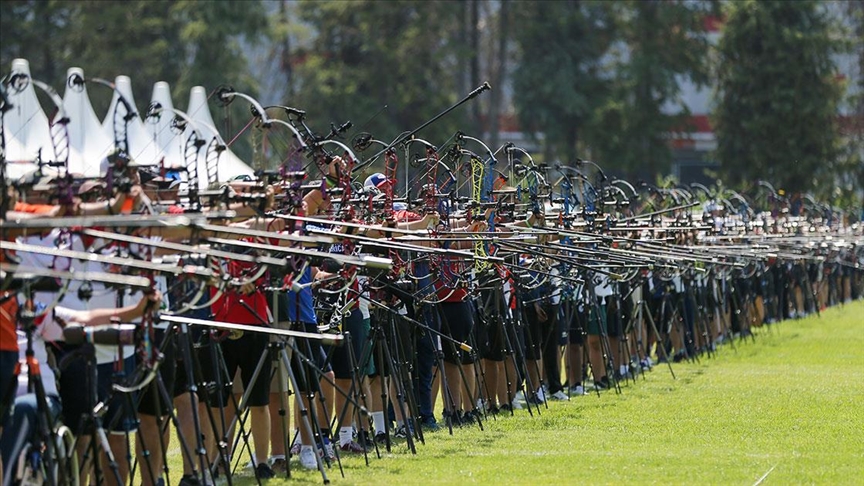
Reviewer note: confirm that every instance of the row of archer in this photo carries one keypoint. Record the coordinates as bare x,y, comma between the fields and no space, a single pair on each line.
454,272
671,262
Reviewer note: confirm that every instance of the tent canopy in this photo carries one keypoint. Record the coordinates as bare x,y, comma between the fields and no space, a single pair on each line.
152,141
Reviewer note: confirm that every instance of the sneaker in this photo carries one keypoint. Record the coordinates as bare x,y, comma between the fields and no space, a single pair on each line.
328,449
263,471
352,447
189,480
535,399
602,384
307,458
365,440
295,449
541,394
520,397
278,465
505,408
559,396
453,418
402,432
428,423
577,391
516,405
469,418
381,438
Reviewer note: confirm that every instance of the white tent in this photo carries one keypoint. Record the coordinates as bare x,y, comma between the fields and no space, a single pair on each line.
152,141
87,140
170,142
143,146
229,164
25,128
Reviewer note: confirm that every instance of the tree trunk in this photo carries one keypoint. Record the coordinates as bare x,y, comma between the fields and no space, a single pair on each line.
285,55
475,64
500,75
464,60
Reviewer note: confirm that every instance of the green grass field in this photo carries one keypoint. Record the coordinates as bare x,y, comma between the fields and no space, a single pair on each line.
789,407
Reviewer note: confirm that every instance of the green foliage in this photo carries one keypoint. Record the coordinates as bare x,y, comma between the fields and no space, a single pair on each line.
185,43
778,95
560,80
210,35
661,45
368,55
33,30
848,193
595,79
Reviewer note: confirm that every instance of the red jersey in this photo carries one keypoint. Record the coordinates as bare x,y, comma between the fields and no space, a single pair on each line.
228,307
8,317
8,311
445,293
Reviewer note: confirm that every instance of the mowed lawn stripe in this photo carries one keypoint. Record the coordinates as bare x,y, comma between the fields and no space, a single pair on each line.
789,403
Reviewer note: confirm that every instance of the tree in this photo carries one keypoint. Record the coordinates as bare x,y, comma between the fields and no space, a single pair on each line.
852,193
138,39
499,71
185,43
662,44
371,55
778,95
32,30
560,79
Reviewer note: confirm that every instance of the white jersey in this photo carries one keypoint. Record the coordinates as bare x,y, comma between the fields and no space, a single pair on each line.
363,302
556,283
604,287
678,283
100,296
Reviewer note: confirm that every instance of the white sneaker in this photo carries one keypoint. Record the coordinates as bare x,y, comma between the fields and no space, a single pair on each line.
520,397
307,458
559,396
541,394
577,391
328,449
516,405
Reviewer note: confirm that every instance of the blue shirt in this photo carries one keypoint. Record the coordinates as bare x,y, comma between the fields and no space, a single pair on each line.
305,303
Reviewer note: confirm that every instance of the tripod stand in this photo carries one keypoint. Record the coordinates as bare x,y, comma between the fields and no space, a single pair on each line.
642,313
286,361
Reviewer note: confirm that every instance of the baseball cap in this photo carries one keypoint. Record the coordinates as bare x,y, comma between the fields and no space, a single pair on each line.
375,180
88,186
